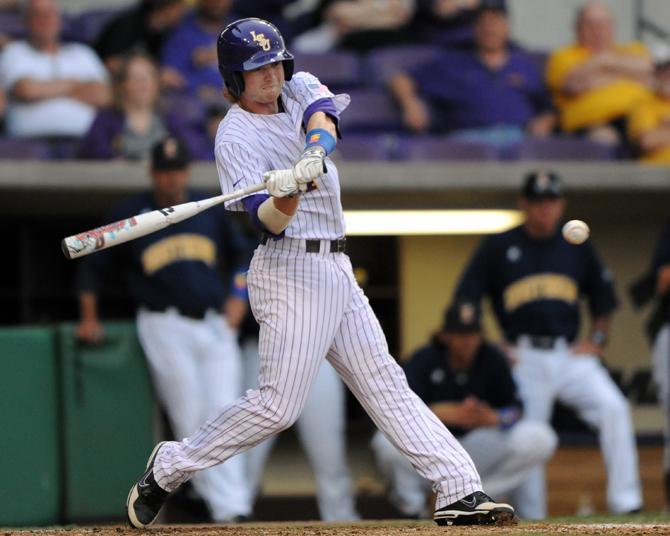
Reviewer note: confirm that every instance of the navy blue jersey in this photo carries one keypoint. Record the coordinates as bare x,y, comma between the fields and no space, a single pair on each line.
535,286
489,378
178,266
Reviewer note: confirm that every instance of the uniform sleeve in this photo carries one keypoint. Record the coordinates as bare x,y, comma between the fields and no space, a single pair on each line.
475,282
305,88
238,167
599,285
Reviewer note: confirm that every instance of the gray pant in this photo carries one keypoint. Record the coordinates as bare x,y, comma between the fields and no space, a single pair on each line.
503,458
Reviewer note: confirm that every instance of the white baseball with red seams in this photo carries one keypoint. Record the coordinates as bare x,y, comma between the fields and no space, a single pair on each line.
310,308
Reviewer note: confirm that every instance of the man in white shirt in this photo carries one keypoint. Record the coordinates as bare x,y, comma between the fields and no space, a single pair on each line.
53,88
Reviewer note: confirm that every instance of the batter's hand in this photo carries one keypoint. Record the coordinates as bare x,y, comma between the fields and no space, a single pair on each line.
281,183
311,165
90,331
587,347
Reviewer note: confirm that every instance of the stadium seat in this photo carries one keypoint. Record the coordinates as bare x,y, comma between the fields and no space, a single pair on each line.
380,65
369,147
439,148
338,70
15,149
560,149
371,111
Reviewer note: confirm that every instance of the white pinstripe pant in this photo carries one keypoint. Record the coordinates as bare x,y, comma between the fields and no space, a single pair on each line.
310,307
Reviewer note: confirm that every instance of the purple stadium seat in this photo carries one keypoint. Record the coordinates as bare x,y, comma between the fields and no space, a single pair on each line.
439,148
560,149
14,149
366,147
87,26
335,69
371,111
380,65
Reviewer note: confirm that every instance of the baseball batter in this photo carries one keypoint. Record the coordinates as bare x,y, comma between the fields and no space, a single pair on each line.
535,280
302,290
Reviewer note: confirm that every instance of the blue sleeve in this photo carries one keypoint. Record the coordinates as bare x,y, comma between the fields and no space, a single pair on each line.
476,282
251,204
599,285
325,105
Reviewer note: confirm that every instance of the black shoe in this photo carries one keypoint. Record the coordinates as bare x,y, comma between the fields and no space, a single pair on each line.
146,497
475,509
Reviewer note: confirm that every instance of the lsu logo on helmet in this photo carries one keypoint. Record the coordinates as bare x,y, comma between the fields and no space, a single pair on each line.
263,41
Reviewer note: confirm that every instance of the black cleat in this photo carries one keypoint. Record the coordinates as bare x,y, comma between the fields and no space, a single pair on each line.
146,497
475,509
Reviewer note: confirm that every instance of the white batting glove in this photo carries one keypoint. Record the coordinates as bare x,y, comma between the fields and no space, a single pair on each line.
311,165
281,183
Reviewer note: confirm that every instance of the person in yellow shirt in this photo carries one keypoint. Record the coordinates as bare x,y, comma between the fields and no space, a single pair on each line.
649,122
596,81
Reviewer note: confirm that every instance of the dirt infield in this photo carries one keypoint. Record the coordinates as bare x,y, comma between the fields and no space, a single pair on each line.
376,528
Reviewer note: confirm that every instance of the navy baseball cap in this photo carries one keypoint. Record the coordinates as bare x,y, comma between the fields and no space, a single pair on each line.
462,316
169,154
542,185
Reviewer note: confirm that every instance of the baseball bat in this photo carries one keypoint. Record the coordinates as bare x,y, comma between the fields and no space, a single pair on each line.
116,233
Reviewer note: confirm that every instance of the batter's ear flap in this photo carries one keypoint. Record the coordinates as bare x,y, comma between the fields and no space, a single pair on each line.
237,84
288,69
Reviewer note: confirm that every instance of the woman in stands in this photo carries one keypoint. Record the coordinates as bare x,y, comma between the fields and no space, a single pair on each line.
134,123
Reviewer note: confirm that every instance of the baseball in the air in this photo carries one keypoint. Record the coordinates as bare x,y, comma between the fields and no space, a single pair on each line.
576,232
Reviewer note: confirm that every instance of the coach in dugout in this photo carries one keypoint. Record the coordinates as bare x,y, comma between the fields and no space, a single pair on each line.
187,315
468,384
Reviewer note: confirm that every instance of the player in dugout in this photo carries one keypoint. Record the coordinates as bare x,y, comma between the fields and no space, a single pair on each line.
188,314
467,382
536,280
302,290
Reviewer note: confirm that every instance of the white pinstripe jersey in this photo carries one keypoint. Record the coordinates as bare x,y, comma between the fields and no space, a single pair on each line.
248,144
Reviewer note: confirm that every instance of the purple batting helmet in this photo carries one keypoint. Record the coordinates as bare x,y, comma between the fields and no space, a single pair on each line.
247,44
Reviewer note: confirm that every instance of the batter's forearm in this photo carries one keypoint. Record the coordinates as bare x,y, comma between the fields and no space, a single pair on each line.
88,306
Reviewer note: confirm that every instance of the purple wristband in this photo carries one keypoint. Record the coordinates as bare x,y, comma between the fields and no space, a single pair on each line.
251,204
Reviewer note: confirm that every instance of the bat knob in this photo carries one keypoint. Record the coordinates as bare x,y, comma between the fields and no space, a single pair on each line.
65,249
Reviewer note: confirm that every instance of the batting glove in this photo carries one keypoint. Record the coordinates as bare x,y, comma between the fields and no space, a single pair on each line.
311,165
281,183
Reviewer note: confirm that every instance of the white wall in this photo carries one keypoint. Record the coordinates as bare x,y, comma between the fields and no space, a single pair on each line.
547,24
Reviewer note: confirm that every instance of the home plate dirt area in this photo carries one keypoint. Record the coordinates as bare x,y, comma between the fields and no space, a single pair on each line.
365,528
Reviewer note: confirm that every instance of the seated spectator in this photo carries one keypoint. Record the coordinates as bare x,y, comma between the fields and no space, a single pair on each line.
649,122
493,94
468,384
53,88
189,56
596,81
143,28
289,16
359,25
133,125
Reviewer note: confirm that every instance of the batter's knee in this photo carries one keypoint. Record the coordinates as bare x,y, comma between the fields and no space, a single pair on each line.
278,412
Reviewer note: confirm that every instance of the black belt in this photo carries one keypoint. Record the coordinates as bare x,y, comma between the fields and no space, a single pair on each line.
195,314
339,245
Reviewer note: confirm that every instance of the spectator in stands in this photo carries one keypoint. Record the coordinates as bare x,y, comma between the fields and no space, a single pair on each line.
204,141
467,383
596,81
358,25
290,16
493,94
189,56
143,28
54,88
133,125
649,122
